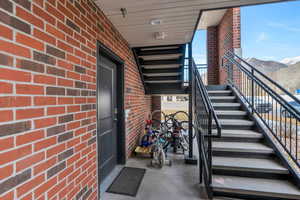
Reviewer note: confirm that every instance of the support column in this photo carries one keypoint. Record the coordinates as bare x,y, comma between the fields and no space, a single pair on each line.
226,36
212,56
156,105
190,158
236,38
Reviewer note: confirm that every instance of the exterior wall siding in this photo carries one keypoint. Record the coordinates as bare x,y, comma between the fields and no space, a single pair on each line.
48,66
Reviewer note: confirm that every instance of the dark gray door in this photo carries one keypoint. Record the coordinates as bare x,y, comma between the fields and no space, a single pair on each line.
107,116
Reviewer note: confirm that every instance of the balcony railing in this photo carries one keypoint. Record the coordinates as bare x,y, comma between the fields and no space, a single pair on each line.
202,69
264,98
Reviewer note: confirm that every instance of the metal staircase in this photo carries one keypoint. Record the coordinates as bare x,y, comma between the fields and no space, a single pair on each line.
244,164
246,151
162,68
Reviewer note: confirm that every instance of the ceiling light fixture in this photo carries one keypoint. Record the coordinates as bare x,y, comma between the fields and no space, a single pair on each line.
155,21
160,35
124,12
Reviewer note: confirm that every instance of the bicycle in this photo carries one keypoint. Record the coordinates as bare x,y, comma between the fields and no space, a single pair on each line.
179,125
159,155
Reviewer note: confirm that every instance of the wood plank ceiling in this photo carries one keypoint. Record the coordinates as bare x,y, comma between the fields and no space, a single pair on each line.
178,18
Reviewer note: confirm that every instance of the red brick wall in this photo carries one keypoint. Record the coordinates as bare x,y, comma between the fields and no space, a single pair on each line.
228,38
225,41
47,97
236,34
156,105
236,26
213,56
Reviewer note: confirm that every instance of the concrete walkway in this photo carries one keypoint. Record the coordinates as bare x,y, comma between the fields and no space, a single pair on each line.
178,182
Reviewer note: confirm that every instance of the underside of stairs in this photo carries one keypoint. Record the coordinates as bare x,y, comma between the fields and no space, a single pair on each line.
162,68
245,165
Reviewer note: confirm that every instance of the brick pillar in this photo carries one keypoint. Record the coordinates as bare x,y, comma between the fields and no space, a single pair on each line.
156,105
226,36
225,42
212,56
236,38
236,26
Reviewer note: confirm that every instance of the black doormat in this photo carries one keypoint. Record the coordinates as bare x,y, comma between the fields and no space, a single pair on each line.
127,182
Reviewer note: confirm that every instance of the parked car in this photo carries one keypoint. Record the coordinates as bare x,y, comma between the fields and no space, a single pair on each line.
261,105
288,114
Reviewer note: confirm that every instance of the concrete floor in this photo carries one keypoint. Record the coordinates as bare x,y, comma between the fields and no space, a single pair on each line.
178,182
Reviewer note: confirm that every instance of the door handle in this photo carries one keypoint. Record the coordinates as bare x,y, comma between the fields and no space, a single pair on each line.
116,114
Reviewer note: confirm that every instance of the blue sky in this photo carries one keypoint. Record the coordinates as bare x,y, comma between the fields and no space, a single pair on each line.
269,32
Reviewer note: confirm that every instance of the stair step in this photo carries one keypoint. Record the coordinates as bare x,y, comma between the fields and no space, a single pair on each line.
160,62
242,147
249,164
236,122
231,114
241,124
219,92
163,81
161,57
222,97
217,87
166,66
226,106
239,134
245,186
162,74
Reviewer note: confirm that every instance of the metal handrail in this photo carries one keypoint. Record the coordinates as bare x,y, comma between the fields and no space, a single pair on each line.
209,103
253,69
204,116
201,67
266,77
284,124
231,55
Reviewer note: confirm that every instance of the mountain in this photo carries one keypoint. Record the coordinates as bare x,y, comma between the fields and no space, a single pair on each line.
266,66
291,61
286,74
288,77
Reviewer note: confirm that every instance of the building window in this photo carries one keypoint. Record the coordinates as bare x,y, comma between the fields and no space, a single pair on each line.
169,98
181,98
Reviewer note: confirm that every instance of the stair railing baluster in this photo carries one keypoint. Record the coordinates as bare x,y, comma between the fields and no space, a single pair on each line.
205,119
285,134
252,86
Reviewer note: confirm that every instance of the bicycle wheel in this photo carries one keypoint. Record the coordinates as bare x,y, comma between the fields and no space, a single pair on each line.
180,116
158,113
185,134
169,122
161,158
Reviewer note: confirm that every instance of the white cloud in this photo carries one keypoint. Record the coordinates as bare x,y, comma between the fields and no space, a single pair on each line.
268,58
284,26
262,37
